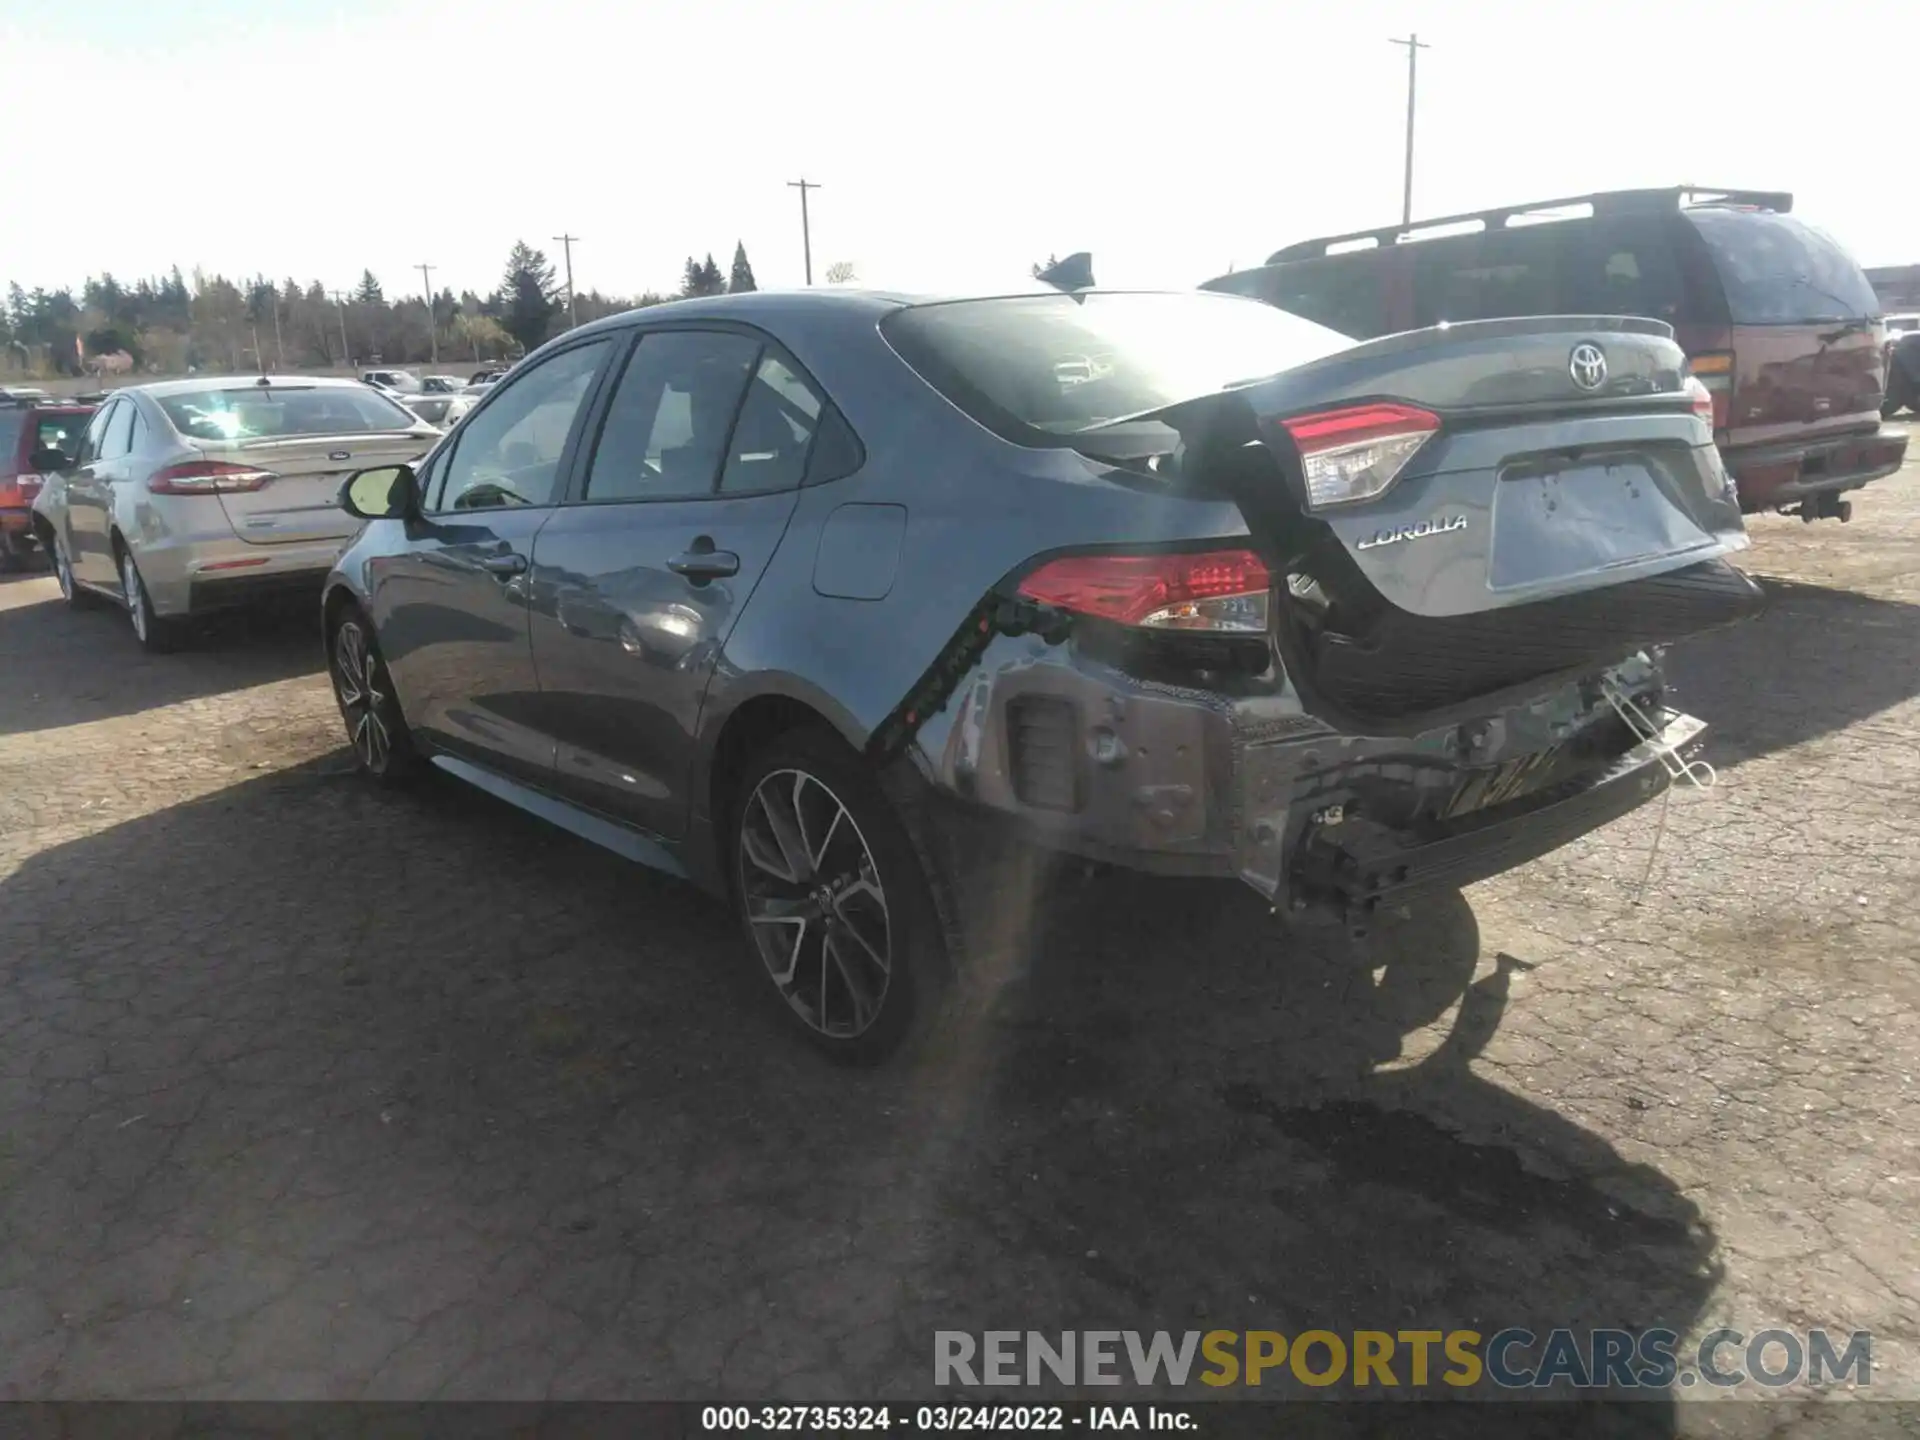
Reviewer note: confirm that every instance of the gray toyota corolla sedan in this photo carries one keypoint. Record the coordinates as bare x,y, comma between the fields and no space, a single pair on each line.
818,598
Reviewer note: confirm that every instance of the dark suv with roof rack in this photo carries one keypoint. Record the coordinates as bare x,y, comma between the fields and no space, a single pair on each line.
1777,319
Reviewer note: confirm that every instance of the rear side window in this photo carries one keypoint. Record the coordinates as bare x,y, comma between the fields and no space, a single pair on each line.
1342,292
665,435
262,412
118,438
1778,270
1607,266
9,439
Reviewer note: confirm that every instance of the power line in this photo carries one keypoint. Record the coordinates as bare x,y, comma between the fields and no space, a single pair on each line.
567,242
1414,47
806,230
433,322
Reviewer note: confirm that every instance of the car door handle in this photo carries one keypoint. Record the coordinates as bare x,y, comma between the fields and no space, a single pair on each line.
699,565
504,564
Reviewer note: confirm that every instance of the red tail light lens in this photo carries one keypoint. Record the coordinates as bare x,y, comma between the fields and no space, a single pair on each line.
1703,399
207,477
1353,454
1223,592
1714,371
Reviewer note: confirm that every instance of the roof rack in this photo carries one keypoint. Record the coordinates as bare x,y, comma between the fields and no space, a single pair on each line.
1604,202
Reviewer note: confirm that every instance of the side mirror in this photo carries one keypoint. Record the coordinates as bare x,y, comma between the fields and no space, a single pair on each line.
48,459
383,493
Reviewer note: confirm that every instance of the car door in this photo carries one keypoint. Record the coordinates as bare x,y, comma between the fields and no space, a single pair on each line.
451,603
698,457
90,491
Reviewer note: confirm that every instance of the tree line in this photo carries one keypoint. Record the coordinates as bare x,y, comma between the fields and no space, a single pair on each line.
174,323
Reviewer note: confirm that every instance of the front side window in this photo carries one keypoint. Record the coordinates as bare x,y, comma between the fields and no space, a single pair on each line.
509,453
668,423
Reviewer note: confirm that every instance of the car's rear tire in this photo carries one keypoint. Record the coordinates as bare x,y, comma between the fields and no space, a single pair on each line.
14,551
377,731
157,636
77,596
833,901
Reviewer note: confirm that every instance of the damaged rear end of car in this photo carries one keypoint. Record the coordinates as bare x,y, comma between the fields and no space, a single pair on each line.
1432,656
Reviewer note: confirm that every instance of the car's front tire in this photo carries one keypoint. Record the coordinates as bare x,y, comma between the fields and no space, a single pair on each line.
833,900
76,595
383,747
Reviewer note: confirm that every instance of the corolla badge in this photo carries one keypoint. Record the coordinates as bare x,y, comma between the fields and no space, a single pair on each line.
1588,365
1419,530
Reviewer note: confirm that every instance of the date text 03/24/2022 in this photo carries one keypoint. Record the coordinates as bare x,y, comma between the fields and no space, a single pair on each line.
938,1419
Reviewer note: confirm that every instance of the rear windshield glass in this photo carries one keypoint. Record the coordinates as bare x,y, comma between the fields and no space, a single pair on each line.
1030,366
261,413
1778,270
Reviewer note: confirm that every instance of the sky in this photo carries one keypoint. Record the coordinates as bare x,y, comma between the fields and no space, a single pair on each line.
954,144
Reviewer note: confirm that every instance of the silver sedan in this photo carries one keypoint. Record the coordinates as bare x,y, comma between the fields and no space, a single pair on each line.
190,496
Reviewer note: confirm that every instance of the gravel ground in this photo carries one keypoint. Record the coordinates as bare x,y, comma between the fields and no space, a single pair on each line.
311,1092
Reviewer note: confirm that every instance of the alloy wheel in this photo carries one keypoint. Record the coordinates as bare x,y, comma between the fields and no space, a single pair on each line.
814,903
356,683
136,596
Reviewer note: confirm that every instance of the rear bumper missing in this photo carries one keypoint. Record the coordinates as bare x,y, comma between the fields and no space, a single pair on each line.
1080,759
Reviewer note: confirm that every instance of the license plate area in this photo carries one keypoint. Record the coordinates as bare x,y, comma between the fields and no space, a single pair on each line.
1562,516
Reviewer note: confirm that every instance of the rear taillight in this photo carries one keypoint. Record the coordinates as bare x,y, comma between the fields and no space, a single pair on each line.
1221,592
1701,397
207,477
1354,453
1714,371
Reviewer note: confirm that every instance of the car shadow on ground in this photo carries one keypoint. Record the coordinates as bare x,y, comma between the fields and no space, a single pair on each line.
62,667
1816,662
411,1096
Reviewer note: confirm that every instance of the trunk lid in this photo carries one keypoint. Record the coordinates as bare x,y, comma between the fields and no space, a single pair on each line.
1532,487
300,504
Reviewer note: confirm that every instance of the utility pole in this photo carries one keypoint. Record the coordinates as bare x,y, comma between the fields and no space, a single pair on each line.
346,350
566,243
1414,47
806,231
279,345
433,321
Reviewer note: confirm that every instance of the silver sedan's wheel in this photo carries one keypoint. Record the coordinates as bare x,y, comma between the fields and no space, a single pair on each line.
815,904
135,596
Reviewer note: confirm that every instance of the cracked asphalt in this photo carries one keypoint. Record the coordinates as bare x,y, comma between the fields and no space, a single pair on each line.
311,1092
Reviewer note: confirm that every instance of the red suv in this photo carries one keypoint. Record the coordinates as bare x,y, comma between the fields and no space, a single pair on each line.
1778,320
30,425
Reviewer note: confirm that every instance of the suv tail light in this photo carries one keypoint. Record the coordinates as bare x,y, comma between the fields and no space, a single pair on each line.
1220,592
1354,453
1714,371
207,477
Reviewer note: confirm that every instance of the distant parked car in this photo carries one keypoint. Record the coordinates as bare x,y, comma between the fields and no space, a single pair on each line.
442,412
442,384
1898,325
399,382
188,496
1778,321
36,436
487,375
1903,374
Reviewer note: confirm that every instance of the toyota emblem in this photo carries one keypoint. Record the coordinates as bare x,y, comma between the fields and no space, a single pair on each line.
1588,365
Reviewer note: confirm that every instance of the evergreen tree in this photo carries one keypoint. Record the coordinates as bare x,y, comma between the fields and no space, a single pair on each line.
742,277
368,291
527,296
692,278
711,281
